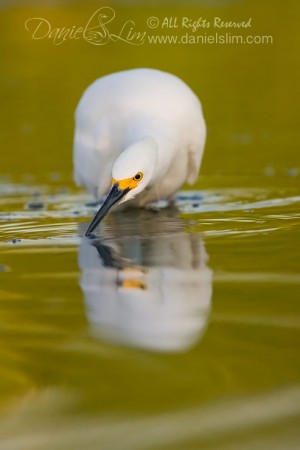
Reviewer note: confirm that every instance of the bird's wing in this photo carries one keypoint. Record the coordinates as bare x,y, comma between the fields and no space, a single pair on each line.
195,150
92,163
95,145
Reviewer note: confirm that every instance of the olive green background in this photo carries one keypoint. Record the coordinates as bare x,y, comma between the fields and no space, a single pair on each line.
249,92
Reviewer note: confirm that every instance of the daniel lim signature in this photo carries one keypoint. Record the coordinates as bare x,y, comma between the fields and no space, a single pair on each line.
96,31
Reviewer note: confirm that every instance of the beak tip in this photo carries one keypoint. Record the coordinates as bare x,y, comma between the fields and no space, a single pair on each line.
114,196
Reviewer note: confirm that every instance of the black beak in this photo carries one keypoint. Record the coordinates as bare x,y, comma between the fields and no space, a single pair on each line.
115,195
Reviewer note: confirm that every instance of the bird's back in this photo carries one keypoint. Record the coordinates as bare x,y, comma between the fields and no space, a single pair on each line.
119,109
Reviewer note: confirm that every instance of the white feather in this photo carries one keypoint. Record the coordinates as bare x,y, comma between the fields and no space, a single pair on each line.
123,108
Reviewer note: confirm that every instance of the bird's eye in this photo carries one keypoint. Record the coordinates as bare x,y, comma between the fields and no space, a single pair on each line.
138,176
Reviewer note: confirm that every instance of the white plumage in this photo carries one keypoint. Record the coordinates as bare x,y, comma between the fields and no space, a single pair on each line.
138,121
120,109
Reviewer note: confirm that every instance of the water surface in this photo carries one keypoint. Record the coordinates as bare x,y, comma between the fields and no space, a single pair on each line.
181,325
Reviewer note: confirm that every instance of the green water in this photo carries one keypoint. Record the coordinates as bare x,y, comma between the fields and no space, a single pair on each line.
178,329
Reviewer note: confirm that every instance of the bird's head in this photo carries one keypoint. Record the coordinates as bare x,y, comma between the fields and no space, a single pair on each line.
132,172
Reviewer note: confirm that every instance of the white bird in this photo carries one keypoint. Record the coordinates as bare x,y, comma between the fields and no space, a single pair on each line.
140,131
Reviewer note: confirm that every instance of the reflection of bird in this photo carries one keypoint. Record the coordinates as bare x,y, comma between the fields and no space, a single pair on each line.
141,130
150,291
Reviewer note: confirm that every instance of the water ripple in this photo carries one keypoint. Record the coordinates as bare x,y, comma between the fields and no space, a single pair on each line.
36,212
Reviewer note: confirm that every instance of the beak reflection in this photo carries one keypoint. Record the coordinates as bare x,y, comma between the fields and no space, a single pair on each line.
114,196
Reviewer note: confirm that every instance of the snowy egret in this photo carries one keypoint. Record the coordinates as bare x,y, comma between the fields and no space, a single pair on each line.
140,132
